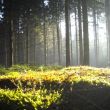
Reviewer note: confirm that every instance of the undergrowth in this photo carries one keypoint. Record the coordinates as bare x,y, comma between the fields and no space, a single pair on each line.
25,87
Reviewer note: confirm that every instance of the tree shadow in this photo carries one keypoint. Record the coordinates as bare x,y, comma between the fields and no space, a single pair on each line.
80,95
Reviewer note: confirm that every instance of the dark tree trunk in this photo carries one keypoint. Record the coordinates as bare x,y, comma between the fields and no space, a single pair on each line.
80,33
44,34
107,10
13,43
85,33
27,44
95,33
67,33
58,32
71,44
2,52
2,40
53,45
76,32
58,41
8,33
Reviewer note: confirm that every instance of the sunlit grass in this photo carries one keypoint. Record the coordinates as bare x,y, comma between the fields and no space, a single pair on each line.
39,87
69,74
35,99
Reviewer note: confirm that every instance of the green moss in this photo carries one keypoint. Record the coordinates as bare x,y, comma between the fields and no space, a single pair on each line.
35,99
38,88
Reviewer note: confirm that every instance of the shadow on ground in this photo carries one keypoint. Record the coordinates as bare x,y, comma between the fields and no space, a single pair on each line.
76,96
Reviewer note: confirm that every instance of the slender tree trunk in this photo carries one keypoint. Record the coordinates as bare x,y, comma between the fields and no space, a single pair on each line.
44,34
2,56
58,33
71,44
76,32
45,44
67,33
27,44
53,45
2,40
8,33
13,43
107,8
85,33
58,40
34,53
47,48
80,33
95,34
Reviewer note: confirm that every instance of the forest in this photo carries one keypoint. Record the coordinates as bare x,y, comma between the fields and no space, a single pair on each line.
61,32
54,54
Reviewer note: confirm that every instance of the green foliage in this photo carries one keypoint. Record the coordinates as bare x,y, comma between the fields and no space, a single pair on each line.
19,68
3,71
40,88
19,100
24,68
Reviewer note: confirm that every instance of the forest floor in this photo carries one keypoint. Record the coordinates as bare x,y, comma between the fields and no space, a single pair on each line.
54,88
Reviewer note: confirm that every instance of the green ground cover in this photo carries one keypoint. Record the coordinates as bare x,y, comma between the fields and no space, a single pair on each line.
54,88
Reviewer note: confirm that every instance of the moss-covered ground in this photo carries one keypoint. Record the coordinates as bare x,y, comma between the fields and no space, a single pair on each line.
54,88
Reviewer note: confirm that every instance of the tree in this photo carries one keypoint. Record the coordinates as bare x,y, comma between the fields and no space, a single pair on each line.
58,32
107,8
85,33
8,32
95,32
80,33
30,36
2,56
67,33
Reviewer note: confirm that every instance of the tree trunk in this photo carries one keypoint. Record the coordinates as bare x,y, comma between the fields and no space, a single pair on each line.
27,44
2,50
77,52
58,41
107,8
85,33
8,33
71,44
58,33
95,33
53,45
80,33
67,33
44,34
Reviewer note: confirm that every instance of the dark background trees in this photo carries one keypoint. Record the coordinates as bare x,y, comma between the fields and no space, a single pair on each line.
46,32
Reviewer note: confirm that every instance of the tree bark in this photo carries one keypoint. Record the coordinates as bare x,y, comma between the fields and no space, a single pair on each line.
8,32
95,33
67,33
44,34
58,41
76,33
80,33
53,44
85,33
107,8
